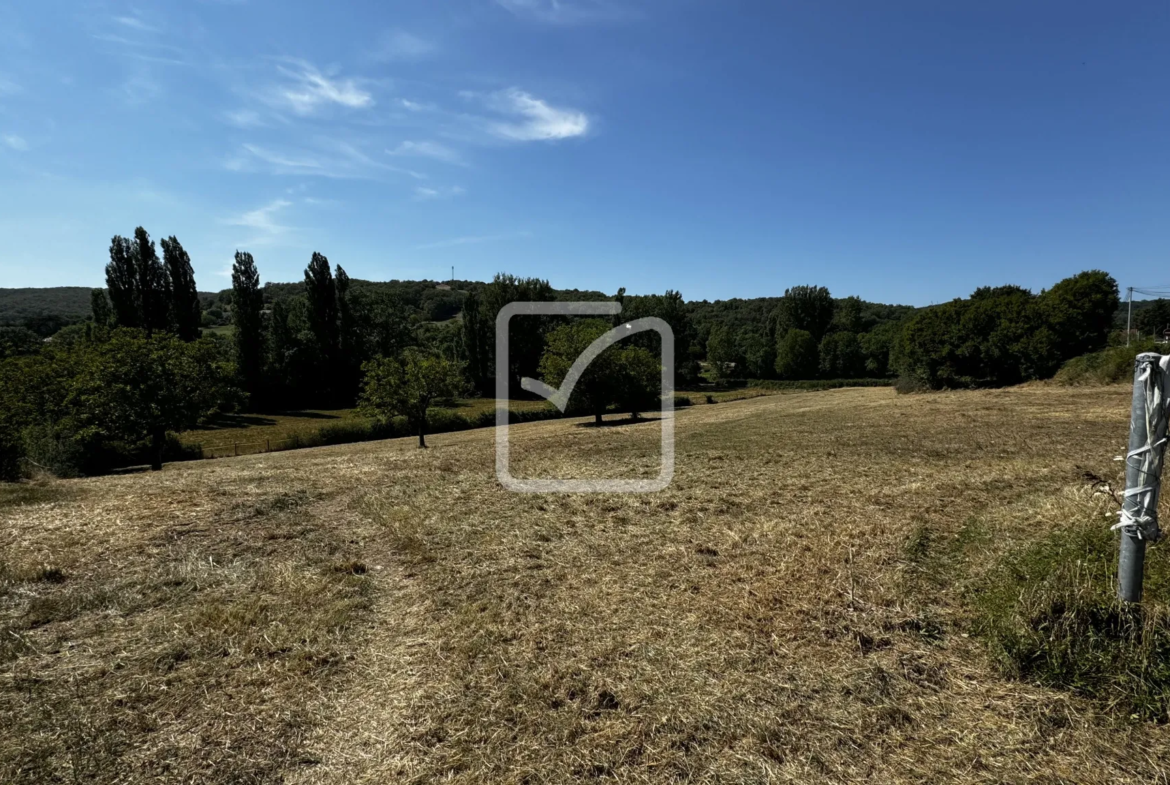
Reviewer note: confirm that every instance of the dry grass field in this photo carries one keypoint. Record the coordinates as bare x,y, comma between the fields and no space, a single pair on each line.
796,607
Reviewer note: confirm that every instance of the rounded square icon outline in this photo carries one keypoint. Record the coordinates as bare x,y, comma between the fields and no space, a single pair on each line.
503,468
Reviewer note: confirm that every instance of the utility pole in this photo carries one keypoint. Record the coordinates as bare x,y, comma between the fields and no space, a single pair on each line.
1128,317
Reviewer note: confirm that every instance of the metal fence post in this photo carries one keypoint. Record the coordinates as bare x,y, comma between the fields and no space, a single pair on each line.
1143,472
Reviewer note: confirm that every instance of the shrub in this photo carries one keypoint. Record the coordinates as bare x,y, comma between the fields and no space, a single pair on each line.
59,452
1108,366
910,384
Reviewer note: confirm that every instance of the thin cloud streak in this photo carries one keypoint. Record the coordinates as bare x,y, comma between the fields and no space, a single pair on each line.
263,220
15,142
135,23
312,90
425,149
540,121
422,193
345,162
473,240
400,45
568,12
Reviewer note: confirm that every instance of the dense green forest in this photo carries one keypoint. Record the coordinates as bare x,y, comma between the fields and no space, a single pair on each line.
87,387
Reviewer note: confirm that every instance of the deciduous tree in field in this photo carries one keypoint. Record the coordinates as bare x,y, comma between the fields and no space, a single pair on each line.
132,389
622,376
1079,311
247,317
407,386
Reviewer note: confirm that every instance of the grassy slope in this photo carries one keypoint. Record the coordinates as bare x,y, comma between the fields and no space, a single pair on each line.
796,606
244,434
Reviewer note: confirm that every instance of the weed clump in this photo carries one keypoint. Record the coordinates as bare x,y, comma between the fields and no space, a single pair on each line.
1108,366
1050,616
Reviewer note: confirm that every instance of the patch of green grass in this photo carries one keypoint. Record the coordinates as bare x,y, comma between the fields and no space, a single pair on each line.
1050,616
19,494
1108,366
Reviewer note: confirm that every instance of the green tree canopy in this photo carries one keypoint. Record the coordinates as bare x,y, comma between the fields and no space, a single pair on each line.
722,353
247,317
841,356
808,308
624,376
1079,310
407,386
796,355
137,283
185,312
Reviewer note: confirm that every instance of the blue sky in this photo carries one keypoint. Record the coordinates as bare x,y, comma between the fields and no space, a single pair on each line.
904,152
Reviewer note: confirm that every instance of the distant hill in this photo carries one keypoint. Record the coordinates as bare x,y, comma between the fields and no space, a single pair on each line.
47,310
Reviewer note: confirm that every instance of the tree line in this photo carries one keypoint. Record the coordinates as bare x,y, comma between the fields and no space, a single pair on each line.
118,387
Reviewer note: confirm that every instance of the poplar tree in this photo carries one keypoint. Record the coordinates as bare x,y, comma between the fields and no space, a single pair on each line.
247,317
137,282
185,312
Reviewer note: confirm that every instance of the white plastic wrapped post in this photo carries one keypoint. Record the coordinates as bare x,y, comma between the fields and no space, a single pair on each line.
1143,471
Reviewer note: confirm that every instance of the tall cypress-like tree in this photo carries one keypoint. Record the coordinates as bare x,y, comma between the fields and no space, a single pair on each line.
137,282
99,304
321,294
185,311
350,355
247,316
151,282
122,282
475,339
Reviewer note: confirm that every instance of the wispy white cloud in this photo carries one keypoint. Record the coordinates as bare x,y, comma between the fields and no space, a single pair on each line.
567,12
15,142
424,194
294,163
263,218
140,89
335,160
426,149
136,23
8,86
264,223
244,118
415,106
400,45
311,90
535,119
471,240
